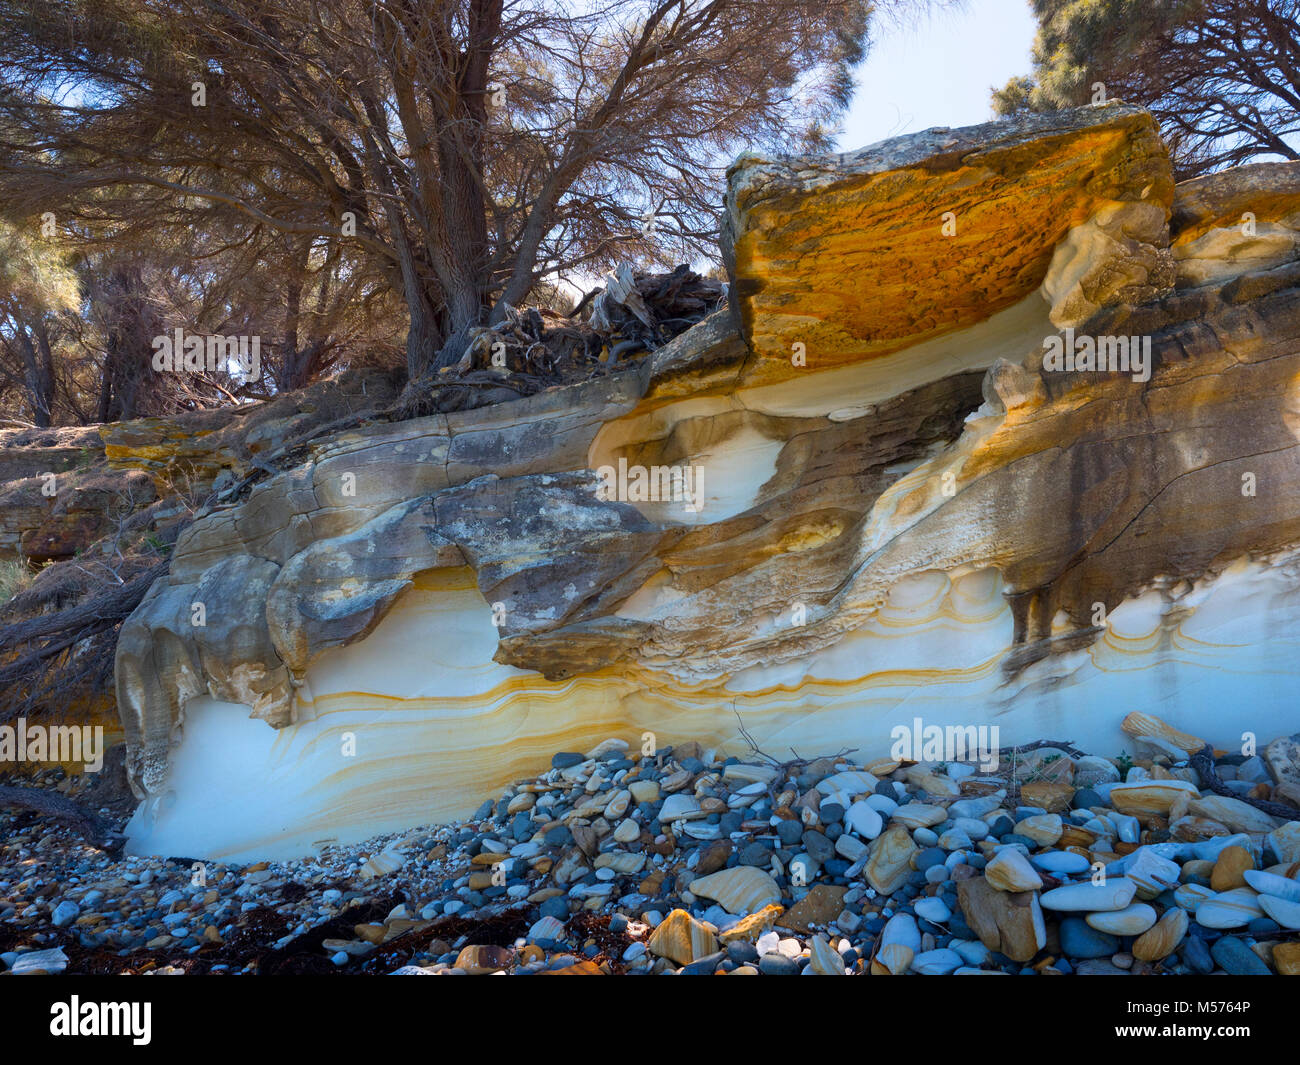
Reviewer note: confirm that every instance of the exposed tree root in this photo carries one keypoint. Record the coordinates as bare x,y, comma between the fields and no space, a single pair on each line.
1203,762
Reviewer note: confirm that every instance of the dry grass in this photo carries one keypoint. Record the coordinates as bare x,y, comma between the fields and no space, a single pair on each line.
15,576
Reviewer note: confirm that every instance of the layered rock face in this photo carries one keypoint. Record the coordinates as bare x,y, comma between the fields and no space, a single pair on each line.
64,489
888,483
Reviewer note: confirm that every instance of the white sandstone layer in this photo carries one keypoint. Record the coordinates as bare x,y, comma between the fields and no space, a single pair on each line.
416,723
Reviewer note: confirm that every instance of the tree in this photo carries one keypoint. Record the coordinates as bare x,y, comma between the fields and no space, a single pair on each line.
316,309
463,150
1222,77
38,291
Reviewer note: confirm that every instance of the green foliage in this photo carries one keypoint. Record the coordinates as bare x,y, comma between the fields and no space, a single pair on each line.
1080,42
1015,97
156,545
34,273
1218,75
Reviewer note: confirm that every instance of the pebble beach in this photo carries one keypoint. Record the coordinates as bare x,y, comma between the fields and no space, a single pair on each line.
611,863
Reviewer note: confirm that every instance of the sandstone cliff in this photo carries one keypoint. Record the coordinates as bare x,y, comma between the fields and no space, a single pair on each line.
881,503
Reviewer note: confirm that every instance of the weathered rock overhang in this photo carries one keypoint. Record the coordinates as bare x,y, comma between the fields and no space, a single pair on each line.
921,435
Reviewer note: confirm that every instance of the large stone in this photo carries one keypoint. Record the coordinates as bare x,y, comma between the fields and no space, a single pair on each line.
679,937
823,959
893,959
1148,726
1078,939
748,929
1283,754
1043,829
1010,923
1052,795
1148,797
1231,909
919,815
889,860
741,889
1282,887
1010,871
1151,873
1115,894
482,960
1230,868
1283,911
1286,958
1162,939
1091,770
47,962
1285,842
1235,957
1133,920
1237,815
817,909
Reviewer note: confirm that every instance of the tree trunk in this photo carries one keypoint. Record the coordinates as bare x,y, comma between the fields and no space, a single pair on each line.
32,380
424,337
45,375
130,324
464,208
105,403
290,364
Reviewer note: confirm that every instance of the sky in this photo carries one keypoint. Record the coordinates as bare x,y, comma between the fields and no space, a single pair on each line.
938,72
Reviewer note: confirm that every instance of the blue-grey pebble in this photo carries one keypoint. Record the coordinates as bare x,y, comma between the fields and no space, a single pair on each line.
1086,799
1235,957
557,907
818,846
705,966
742,953
1196,955
930,856
778,965
1080,940
831,812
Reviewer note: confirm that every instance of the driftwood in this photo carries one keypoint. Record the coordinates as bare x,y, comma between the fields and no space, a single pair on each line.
651,309
1203,762
90,826
63,629
633,313
1063,745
